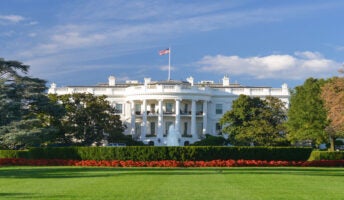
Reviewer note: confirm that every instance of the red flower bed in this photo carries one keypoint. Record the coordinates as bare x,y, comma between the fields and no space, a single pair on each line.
168,163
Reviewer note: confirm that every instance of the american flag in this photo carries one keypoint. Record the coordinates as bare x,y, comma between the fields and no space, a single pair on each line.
165,51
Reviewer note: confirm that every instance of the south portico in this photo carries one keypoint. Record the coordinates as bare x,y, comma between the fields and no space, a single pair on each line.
151,118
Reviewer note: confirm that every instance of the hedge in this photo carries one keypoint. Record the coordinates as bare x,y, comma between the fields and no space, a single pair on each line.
13,154
326,155
149,153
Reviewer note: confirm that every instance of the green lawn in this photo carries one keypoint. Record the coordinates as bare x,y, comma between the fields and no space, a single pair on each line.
209,183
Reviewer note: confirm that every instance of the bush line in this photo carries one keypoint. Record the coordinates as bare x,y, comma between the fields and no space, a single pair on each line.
146,153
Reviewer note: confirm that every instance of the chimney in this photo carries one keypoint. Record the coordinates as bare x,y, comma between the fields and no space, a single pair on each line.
225,81
112,81
285,89
147,80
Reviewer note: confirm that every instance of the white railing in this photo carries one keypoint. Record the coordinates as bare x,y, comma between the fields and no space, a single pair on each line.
158,89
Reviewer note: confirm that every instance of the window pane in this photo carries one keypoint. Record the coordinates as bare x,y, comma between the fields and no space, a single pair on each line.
169,107
119,108
218,128
137,109
152,126
185,131
218,109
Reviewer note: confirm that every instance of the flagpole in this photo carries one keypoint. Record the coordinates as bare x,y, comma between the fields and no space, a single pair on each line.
169,64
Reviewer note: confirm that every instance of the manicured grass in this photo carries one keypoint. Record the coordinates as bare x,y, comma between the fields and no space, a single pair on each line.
151,183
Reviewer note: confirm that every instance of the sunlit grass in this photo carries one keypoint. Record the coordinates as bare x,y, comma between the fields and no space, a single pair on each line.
175,183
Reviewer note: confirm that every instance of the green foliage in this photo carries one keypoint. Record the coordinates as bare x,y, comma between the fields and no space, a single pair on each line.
326,155
255,121
333,95
119,137
210,140
13,154
87,119
307,117
147,153
54,153
25,112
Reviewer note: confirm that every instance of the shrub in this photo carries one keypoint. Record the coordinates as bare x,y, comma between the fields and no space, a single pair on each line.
13,154
211,140
53,153
326,155
191,153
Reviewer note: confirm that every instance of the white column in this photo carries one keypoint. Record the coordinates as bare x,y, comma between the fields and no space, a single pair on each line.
193,119
144,120
160,120
132,109
205,117
177,123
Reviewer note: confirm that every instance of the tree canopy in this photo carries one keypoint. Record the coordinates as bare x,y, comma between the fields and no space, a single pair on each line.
332,94
88,119
307,117
255,121
25,110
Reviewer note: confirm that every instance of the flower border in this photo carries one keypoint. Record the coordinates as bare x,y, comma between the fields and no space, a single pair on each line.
168,163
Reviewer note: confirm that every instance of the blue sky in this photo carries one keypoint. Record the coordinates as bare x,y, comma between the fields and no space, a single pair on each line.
255,42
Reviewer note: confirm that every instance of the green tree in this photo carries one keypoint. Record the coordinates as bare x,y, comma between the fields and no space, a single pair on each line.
307,117
88,119
25,111
9,98
211,140
333,95
255,121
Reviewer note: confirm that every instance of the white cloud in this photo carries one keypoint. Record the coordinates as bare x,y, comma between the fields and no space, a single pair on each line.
166,68
11,18
298,66
33,23
340,48
76,39
32,34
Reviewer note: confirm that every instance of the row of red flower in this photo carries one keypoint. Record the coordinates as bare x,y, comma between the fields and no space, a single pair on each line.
167,163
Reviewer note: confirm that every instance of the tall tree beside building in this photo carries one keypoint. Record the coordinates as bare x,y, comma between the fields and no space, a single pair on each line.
88,119
307,117
26,114
333,95
255,121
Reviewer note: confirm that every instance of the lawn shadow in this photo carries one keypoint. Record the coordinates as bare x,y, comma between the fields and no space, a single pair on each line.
287,171
87,172
54,172
21,195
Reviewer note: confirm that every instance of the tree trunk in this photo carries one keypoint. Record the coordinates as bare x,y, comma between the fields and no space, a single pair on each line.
332,139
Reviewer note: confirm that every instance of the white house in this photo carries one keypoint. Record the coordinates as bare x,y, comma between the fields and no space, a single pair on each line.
148,109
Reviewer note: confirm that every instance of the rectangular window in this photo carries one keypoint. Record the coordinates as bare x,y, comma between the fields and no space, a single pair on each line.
199,109
218,128
152,128
185,131
137,128
119,108
218,109
186,108
137,109
169,108
199,128
152,108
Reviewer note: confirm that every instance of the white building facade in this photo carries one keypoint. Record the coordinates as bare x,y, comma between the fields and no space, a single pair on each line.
148,109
